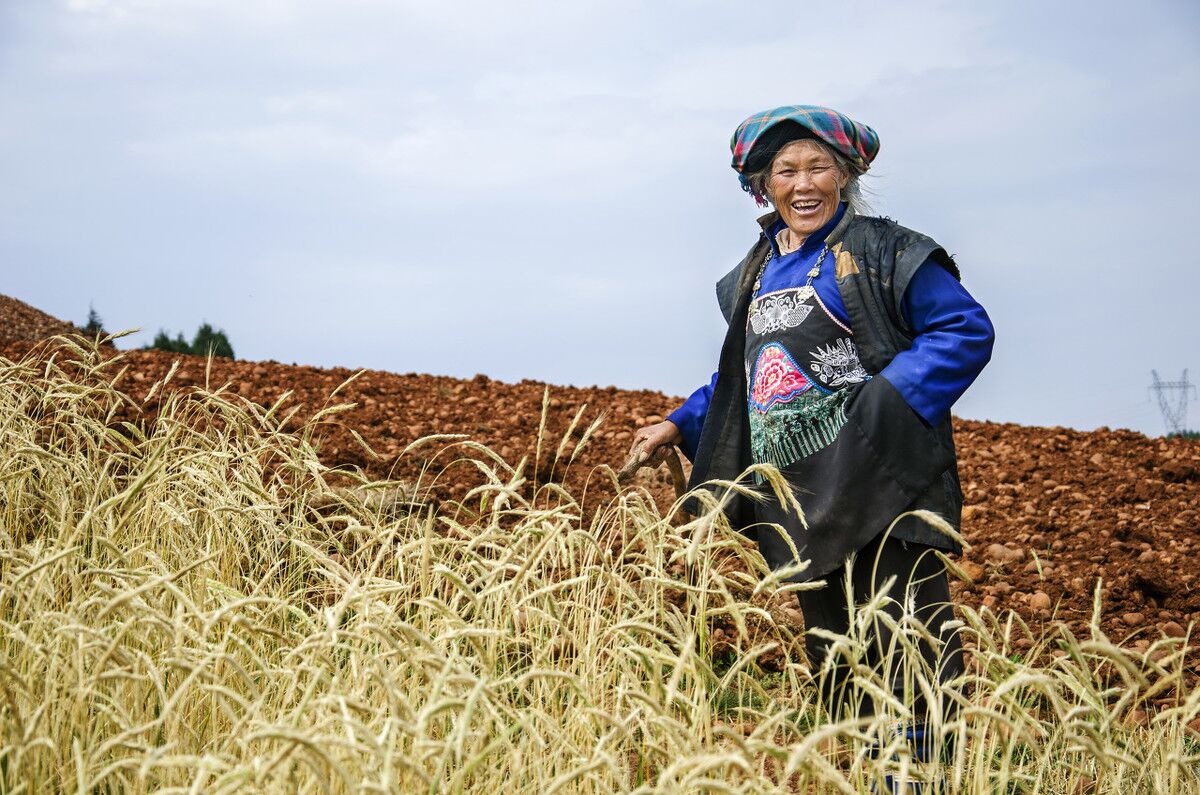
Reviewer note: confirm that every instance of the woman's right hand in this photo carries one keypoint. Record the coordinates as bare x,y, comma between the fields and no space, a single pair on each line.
650,438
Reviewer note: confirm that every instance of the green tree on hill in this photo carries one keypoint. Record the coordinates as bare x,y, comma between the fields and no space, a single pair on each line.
94,326
207,341
163,342
210,341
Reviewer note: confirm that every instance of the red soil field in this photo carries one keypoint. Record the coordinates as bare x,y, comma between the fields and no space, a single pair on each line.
20,321
1048,510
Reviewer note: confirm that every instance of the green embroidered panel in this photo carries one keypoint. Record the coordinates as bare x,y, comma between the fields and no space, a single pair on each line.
790,431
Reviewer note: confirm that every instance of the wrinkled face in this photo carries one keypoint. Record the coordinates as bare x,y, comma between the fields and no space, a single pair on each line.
805,186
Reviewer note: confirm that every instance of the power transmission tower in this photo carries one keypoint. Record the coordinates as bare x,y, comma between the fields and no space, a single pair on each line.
1173,397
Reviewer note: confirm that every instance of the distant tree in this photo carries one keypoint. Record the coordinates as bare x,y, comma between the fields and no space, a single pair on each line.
95,326
207,341
1185,435
163,342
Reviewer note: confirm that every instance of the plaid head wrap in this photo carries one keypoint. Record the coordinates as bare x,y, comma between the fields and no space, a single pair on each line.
857,142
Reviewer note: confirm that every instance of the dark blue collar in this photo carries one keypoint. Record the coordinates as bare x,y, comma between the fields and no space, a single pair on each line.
813,241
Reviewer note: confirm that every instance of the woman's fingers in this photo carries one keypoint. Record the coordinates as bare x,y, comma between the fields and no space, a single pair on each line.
651,445
643,444
648,440
647,451
639,439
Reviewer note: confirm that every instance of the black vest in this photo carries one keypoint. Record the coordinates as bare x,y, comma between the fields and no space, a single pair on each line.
875,260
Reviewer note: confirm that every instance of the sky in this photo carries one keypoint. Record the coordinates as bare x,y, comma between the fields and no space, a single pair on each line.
542,189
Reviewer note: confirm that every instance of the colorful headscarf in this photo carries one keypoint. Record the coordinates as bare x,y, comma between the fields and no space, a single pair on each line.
857,142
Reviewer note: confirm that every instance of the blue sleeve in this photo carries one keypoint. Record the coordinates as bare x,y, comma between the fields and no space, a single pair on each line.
689,417
952,343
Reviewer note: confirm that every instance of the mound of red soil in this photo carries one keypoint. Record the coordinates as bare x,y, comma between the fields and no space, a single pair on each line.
1049,511
20,321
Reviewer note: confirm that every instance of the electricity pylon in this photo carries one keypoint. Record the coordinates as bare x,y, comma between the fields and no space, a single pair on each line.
1173,397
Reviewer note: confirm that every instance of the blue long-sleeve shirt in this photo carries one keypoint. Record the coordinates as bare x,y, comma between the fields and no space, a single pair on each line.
952,334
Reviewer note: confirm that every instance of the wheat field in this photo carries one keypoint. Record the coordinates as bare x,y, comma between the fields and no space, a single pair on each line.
198,605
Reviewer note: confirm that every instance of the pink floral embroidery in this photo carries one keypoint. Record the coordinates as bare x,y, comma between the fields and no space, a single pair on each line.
777,378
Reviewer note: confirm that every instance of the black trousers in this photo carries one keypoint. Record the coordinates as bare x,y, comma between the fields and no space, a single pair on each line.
917,571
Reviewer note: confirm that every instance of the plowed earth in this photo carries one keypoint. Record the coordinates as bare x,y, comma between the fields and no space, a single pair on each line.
1048,510
20,321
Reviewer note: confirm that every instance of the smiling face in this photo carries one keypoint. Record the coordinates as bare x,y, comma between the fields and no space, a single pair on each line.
805,186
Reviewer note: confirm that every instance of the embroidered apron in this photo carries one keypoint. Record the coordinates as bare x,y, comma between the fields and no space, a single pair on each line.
838,435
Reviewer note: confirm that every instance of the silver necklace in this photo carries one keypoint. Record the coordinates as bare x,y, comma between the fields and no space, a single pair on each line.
807,290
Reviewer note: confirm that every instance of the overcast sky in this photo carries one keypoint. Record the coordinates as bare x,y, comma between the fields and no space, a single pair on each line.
542,189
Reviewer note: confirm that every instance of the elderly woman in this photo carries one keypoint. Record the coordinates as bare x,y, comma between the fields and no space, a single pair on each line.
850,338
